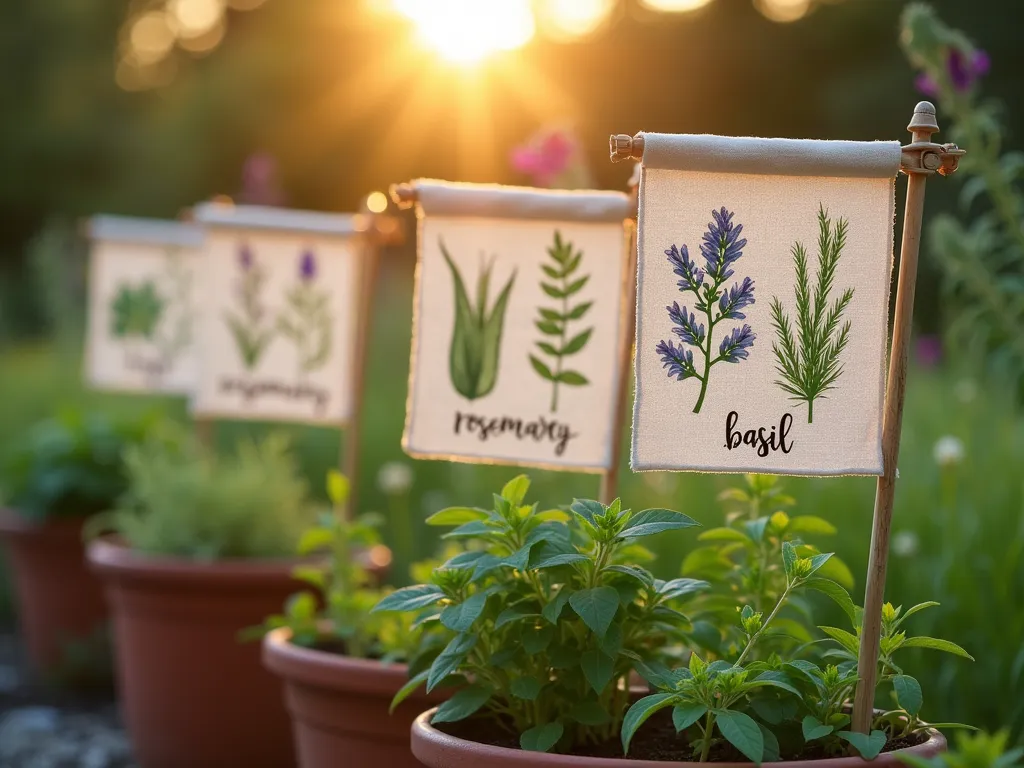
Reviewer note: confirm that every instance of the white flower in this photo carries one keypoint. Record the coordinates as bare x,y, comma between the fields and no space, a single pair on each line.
394,478
904,544
949,450
966,390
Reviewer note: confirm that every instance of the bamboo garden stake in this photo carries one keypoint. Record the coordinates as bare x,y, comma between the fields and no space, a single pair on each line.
920,159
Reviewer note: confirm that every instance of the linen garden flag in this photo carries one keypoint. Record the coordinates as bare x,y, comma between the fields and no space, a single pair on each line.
140,327
764,268
278,314
518,325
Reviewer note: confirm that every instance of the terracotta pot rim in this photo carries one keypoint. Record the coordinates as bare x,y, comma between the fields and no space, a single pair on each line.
13,523
114,560
323,669
435,748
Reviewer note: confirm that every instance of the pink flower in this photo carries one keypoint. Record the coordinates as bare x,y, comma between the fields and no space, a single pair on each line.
547,156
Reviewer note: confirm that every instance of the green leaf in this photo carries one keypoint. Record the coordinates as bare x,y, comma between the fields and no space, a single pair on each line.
536,639
596,606
572,378
844,638
551,272
936,645
579,310
541,738
819,560
639,713
587,509
598,669
408,689
301,606
410,598
685,715
652,521
576,343
837,571
470,530
548,349
788,558
491,341
589,713
456,516
553,609
908,693
775,679
837,593
724,534
313,539
548,327
527,688
869,747
576,286
550,314
680,587
312,575
562,558
542,369
915,609
462,704
460,617
337,487
771,745
813,728
449,659
810,524
742,732
510,615
552,291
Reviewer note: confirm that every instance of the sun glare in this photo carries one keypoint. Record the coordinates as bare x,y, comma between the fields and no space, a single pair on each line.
468,31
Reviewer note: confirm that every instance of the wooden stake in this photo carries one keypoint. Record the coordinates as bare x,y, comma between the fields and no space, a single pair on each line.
920,159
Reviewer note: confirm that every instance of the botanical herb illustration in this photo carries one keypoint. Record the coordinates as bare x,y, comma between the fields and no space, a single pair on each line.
251,328
179,280
136,310
306,318
476,337
808,360
721,248
555,322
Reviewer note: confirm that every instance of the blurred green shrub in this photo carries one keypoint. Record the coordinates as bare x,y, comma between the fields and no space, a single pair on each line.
186,502
71,465
973,750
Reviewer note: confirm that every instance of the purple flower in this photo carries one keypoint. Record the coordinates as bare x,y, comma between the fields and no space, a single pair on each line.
721,244
734,346
964,70
679,361
307,266
736,298
929,351
693,278
686,328
245,257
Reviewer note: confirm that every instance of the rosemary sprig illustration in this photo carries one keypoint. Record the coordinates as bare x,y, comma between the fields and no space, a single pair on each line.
807,360
250,333
721,248
476,336
306,317
174,341
555,322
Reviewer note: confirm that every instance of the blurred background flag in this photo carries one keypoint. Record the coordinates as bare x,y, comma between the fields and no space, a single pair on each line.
140,326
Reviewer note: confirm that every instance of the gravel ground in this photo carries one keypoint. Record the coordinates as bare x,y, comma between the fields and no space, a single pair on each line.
47,728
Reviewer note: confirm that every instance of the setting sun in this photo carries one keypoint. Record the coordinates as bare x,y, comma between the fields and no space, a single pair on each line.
468,31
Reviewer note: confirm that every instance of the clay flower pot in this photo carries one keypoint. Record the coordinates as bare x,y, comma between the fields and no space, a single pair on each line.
436,749
59,601
339,706
191,693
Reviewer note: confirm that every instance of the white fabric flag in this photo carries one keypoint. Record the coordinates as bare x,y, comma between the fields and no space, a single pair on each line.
518,325
140,334
278,313
763,288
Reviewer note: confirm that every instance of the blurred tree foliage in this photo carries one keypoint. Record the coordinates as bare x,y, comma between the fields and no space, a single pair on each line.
337,96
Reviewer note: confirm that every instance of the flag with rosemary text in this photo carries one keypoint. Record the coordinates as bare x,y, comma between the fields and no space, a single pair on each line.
518,325
140,334
278,315
763,288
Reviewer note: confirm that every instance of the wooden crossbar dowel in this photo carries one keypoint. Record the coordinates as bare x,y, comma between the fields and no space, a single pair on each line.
926,158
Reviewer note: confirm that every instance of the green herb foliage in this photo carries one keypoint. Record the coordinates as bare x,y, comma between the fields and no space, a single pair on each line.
555,322
550,612
185,502
973,750
476,337
71,465
136,311
807,359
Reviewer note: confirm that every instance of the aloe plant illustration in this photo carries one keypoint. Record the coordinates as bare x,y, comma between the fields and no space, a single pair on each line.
721,247
252,328
807,358
476,336
306,318
554,322
136,310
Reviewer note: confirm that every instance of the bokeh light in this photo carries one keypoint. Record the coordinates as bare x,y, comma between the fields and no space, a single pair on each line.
376,202
674,5
468,31
196,18
784,10
151,37
570,20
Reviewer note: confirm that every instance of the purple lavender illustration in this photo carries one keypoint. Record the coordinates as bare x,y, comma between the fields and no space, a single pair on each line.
721,248
250,327
306,318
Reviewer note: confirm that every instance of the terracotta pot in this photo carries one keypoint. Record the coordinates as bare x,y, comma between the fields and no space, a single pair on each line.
339,706
191,693
435,749
59,601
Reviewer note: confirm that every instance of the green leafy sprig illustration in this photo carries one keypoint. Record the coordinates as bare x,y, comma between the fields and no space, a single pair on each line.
251,328
555,322
476,336
807,357
136,310
306,318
